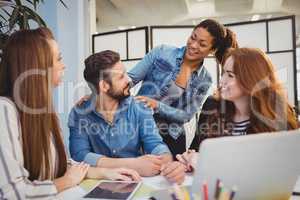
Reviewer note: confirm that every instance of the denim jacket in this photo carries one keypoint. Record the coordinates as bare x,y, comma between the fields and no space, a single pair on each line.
157,69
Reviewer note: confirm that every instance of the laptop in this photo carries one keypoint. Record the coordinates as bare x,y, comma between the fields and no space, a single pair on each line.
262,166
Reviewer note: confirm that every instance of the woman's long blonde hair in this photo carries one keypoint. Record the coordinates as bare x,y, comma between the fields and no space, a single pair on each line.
26,79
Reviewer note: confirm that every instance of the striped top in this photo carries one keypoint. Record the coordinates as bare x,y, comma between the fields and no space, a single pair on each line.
14,182
240,128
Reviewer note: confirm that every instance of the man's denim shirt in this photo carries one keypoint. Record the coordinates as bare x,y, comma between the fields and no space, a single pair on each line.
157,69
133,129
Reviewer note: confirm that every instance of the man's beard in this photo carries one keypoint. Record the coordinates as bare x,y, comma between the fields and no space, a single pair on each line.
118,95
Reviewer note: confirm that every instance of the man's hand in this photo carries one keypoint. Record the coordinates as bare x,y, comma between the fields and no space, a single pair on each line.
148,165
174,172
166,158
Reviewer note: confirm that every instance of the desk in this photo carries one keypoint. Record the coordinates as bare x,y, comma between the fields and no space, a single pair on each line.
149,184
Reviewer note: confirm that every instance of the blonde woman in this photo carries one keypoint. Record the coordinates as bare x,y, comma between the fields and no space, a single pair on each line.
33,161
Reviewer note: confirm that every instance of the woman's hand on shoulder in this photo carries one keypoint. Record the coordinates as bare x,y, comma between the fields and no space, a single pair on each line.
149,102
82,99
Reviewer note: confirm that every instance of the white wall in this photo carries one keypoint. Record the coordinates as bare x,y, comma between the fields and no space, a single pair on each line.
72,32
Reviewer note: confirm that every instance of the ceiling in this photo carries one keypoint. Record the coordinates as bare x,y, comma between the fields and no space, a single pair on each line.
124,14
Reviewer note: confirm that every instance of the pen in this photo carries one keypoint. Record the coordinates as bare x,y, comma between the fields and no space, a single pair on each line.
187,163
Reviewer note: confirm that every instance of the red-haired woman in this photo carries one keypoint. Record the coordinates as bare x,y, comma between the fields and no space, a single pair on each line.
250,100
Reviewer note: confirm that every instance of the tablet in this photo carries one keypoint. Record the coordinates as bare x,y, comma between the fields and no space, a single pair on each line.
113,190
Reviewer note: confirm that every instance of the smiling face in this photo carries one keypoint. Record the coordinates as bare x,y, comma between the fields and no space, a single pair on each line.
119,84
231,89
58,65
199,45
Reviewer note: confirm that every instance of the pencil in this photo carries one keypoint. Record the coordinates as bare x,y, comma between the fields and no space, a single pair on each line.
205,190
220,191
296,193
233,191
172,194
217,189
178,192
174,197
186,194
224,195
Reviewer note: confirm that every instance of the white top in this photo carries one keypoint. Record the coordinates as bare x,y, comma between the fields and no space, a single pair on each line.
14,182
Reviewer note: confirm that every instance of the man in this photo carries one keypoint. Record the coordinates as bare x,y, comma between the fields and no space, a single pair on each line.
112,130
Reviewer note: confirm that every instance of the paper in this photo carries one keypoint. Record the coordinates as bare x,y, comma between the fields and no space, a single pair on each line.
160,182
72,193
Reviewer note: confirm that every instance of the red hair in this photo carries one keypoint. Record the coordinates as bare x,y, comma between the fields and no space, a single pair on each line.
269,107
